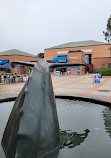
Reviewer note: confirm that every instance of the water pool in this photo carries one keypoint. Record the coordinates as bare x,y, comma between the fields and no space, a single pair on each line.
85,128
88,127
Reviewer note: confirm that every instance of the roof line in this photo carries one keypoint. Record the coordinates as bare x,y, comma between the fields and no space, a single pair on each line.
20,55
16,52
75,46
101,57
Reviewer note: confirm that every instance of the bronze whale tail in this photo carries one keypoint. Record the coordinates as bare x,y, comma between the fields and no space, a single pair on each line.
32,130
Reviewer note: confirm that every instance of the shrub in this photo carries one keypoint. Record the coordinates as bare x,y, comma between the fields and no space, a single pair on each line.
7,70
105,71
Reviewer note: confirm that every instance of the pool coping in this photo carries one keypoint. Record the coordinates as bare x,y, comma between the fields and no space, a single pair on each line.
70,97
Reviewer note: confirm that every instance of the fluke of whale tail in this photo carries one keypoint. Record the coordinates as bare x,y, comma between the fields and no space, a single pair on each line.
32,130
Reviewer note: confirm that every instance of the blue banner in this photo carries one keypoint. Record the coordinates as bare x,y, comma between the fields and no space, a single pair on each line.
87,59
4,61
57,73
74,68
69,70
78,70
96,78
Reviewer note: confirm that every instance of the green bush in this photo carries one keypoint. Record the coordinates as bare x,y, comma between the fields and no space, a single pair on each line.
7,70
105,71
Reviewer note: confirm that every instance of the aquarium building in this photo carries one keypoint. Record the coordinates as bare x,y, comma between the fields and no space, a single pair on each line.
93,53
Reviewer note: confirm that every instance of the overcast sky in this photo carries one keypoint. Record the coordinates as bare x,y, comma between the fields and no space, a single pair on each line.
33,25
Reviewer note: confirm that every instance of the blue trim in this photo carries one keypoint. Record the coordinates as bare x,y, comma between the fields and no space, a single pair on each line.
4,61
61,59
8,65
17,66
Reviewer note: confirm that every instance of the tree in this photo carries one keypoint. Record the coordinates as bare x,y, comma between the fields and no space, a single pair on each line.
107,34
40,55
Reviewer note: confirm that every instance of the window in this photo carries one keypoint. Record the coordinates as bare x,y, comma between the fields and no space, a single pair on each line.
103,65
90,57
109,65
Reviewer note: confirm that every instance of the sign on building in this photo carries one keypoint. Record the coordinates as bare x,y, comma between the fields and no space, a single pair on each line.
78,70
87,50
86,58
76,57
69,70
74,68
62,52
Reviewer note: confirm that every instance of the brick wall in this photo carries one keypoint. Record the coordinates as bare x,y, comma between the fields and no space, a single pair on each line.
18,58
99,61
76,57
98,51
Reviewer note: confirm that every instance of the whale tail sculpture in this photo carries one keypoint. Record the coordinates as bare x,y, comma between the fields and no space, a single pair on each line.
32,130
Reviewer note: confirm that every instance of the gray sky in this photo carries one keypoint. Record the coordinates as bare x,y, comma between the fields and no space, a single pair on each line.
33,25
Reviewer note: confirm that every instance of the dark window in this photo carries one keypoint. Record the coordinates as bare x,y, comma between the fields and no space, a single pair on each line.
103,65
109,65
90,58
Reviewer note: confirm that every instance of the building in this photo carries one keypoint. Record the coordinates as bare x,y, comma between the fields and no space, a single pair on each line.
16,55
94,53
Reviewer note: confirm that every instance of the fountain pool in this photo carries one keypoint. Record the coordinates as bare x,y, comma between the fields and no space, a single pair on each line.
85,128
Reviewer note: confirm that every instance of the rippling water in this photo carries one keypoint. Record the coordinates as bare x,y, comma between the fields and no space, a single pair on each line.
5,109
88,127
85,128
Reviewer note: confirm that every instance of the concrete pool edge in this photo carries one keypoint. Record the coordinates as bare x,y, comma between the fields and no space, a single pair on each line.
86,99
7,99
70,97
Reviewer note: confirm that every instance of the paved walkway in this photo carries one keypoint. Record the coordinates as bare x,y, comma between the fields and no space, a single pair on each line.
83,86
68,85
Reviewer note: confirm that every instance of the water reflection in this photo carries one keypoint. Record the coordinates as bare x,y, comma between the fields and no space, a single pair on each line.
96,143
107,118
72,139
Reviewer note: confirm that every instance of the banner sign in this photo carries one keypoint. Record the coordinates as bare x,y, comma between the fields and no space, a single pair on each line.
96,78
69,70
62,52
57,73
87,50
62,61
78,70
87,59
74,68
